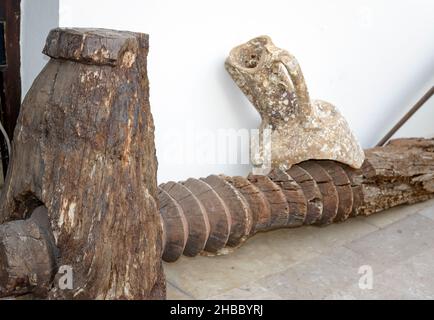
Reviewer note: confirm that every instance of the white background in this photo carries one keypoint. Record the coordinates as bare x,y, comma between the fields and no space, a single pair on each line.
372,59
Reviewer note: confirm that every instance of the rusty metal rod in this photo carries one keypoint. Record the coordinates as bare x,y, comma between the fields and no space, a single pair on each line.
407,116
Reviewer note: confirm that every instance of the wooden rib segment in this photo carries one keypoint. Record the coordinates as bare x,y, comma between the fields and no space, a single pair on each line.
356,178
311,192
238,207
294,196
175,227
276,199
198,224
328,191
261,211
343,187
218,215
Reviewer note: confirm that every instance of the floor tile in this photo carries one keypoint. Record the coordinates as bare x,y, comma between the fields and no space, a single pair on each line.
319,262
427,212
397,242
174,293
250,291
204,276
316,278
386,218
411,279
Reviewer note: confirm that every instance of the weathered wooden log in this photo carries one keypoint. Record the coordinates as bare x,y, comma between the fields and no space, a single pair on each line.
27,255
401,172
84,148
314,192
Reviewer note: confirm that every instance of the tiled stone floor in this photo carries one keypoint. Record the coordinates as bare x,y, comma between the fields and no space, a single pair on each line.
320,263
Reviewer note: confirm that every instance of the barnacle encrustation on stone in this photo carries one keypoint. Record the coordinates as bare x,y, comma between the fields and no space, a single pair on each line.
301,128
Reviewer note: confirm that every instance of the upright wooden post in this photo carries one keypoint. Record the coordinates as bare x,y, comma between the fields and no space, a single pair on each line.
84,148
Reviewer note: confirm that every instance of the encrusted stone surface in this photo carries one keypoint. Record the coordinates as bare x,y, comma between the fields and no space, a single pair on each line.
301,129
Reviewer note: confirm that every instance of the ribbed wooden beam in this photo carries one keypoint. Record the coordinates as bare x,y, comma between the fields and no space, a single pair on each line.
208,214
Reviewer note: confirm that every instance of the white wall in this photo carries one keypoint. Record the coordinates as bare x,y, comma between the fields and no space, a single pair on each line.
372,59
37,18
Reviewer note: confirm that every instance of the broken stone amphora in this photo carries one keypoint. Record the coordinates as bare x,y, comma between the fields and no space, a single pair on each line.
299,128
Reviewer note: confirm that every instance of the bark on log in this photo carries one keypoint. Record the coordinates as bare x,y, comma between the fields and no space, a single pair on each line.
319,192
84,148
402,172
